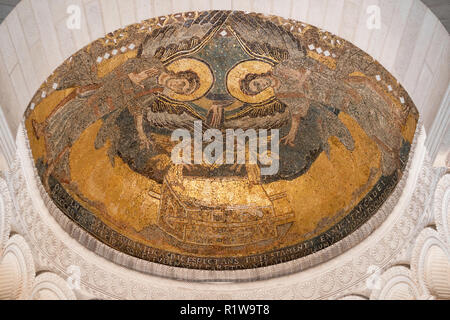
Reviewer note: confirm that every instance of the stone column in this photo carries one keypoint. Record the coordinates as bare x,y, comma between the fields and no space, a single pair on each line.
49,286
10,278
16,270
437,272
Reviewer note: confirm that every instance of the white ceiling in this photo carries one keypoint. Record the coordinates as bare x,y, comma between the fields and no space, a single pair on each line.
5,8
441,8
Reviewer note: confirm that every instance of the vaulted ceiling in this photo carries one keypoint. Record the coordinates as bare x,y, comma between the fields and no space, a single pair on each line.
5,8
441,8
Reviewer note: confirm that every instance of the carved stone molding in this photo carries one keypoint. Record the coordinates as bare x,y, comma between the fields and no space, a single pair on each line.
44,204
430,263
397,283
401,233
5,214
49,286
437,272
346,275
442,208
17,270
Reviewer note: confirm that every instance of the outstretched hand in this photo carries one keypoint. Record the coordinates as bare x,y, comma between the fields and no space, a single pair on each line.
137,78
216,111
289,139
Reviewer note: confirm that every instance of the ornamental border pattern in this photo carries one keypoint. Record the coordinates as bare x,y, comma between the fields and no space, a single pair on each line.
6,208
138,243
176,273
55,250
441,203
54,283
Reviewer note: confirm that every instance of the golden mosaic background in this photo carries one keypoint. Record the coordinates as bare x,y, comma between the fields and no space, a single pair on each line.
99,130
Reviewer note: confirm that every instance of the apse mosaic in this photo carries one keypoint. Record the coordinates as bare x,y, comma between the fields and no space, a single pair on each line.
100,130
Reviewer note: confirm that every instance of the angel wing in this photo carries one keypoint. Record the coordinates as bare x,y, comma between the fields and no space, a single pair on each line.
267,41
163,45
179,39
171,121
77,72
264,39
331,126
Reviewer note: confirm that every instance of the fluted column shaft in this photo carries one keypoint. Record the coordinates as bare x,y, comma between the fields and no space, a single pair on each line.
10,278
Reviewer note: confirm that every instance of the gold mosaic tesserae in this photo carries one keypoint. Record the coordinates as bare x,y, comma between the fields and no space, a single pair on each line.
101,139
